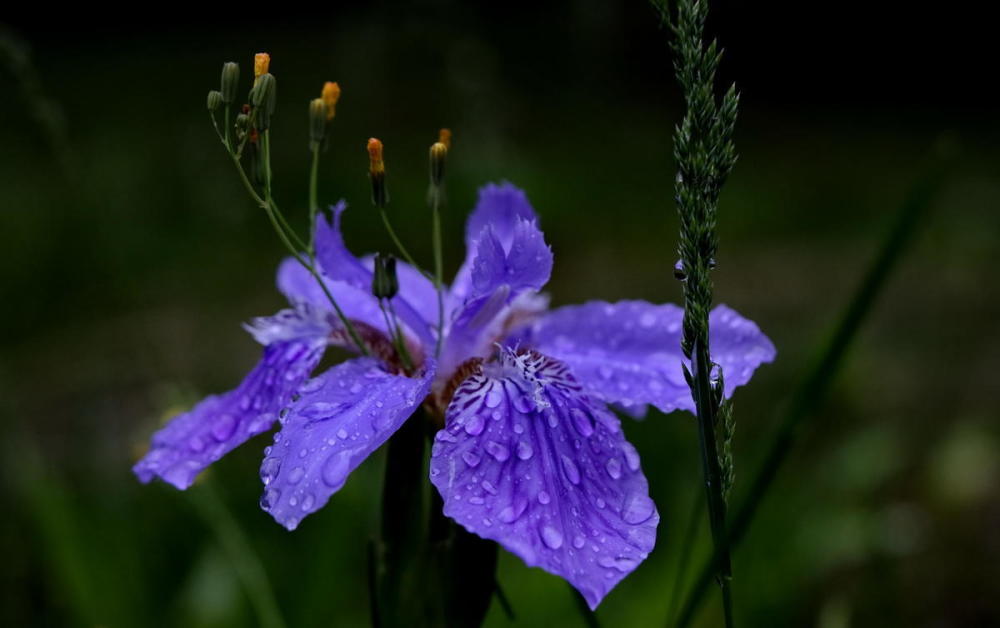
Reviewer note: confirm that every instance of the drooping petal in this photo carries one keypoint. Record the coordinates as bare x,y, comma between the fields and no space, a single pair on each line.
341,417
628,353
528,460
220,423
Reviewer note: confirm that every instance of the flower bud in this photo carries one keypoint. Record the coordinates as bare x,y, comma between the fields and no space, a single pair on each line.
330,96
376,172
214,100
444,137
230,81
261,64
439,154
242,124
317,122
263,97
385,284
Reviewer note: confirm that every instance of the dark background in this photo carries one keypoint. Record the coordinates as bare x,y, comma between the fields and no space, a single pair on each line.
129,254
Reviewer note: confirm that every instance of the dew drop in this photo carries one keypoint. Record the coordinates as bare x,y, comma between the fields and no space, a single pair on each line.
524,451
269,469
488,487
296,475
335,469
471,458
474,425
570,469
620,563
498,451
579,541
493,398
638,508
224,427
614,468
513,511
195,444
552,538
307,502
544,498
582,422
631,456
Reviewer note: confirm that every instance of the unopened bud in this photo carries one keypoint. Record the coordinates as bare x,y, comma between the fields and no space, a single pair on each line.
385,284
214,100
317,122
444,137
230,81
439,155
263,97
330,96
242,124
261,64
376,172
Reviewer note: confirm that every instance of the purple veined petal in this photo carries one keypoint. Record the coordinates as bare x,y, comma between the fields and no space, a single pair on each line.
219,423
628,353
340,418
501,207
737,345
528,460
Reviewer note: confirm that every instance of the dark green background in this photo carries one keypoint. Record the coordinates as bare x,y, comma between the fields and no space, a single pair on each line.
129,255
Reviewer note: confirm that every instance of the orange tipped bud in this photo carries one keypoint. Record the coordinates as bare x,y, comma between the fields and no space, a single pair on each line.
376,164
261,64
330,95
444,137
439,154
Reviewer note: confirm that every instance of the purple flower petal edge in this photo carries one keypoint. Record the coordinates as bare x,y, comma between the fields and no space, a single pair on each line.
190,442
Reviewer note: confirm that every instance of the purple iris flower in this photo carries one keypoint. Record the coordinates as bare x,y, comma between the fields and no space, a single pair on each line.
530,454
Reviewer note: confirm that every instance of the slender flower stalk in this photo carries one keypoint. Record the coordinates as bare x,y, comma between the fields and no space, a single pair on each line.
438,159
705,155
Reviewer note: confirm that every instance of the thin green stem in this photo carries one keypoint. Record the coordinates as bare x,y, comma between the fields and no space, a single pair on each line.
399,244
313,203
226,141
814,388
392,326
246,563
438,268
706,411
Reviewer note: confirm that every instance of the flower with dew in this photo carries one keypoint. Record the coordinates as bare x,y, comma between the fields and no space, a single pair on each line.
530,455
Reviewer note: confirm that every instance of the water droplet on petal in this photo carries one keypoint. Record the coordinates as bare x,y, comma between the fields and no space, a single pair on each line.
224,427
488,487
471,458
631,456
493,398
524,451
614,468
638,508
296,475
195,444
579,541
544,498
268,469
474,425
621,563
582,422
307,502
335,469
571,470
552,538
511,512
498,450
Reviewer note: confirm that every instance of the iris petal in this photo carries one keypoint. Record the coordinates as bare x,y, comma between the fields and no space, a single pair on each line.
528,460
628,353
219,423
340,418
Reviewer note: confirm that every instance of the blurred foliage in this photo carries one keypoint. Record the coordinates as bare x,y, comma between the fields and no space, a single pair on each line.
130,255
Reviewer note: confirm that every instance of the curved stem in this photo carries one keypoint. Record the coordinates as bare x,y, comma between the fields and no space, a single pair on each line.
438,269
